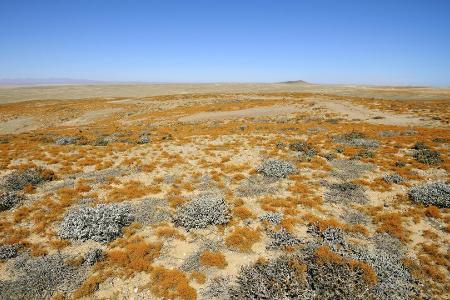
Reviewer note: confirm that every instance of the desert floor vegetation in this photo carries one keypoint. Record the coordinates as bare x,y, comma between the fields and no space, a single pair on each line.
225,196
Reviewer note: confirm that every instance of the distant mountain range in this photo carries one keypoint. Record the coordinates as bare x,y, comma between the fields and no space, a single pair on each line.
295,82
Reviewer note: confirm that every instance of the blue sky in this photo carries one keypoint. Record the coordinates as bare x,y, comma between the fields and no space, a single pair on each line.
374,42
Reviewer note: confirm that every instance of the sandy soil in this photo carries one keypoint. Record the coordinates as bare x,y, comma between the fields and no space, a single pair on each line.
156,153
265,111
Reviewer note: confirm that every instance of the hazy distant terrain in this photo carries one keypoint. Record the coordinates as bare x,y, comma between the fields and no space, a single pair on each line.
22,93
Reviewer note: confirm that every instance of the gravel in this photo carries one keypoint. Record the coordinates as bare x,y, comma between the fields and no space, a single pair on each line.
207,209
102,223
275,168
435,193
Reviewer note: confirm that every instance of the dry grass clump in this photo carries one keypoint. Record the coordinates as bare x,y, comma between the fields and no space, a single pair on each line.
213,259
243,213
166,231
171,284
131,190
242,239
392,223
136,256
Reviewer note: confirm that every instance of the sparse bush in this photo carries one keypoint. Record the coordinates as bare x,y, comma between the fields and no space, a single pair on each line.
356,139
349,169
274,218
276,168
334,277
436,193
427,156
363,154
393,279
18,179
281,278
254,186
393,178
329,156
392,133
355,217
303,147
345,193
8,251
102,141
150,211
320,275
400,164
143,139
66,140
102,223
39,278
282,239
94,256
217,288
10,199
203,211
192,263
330,236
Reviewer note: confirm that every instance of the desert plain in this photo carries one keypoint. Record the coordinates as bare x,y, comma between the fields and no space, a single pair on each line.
224,191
